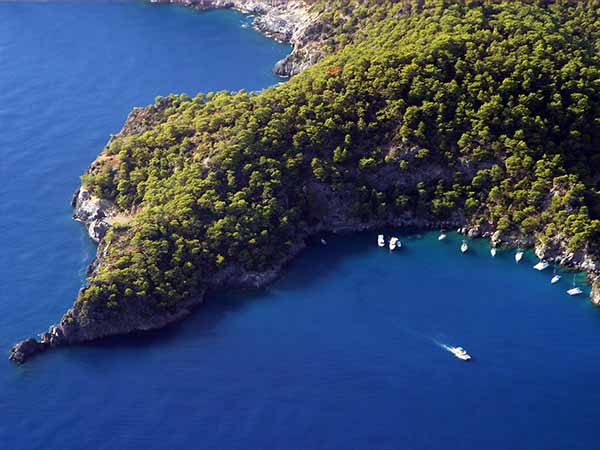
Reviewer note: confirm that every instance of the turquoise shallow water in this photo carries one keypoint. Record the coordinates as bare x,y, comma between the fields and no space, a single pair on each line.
344,352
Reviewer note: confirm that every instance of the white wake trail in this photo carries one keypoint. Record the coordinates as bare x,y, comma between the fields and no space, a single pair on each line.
424,337
441,345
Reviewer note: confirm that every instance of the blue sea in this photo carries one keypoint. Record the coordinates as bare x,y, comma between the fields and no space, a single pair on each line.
346,351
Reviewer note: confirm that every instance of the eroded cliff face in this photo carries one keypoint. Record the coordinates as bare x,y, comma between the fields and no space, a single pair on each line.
93,212
595,293
283,20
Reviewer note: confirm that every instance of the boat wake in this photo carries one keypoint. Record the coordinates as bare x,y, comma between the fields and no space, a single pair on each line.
426,337
459,352
442,345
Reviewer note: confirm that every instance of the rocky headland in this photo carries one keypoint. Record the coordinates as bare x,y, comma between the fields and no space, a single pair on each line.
80,325
330,210
282,20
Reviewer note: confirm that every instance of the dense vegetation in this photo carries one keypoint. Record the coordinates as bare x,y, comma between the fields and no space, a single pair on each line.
488,112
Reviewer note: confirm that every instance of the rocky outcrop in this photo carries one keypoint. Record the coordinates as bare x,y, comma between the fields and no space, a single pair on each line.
283,20
24,350
93,212
28,348
595,293
556,250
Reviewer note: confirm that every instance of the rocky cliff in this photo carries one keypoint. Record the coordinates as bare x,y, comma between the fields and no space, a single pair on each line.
595,293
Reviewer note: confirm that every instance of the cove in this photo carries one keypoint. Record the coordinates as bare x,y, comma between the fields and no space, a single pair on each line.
343,352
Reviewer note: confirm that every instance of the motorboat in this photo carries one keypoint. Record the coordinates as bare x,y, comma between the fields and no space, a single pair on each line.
323,241
460,353
555,279
542,265
381,240
394,243
464,246
493,251
518,256
442,236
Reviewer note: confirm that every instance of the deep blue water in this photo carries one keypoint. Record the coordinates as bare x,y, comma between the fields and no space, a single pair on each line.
344,352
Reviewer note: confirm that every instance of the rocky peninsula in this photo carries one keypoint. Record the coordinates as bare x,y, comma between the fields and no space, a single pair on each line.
386,124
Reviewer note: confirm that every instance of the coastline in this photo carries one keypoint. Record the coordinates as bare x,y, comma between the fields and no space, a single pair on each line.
72,330
282,20
97,214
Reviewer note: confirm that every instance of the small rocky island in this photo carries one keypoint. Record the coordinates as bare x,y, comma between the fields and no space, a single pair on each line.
481,117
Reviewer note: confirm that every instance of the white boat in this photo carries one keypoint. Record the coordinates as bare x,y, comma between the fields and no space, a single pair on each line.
574,290
493,252
555,279
518,256
460,353
442,236
323,241
542,265
464,246
394,243
381,240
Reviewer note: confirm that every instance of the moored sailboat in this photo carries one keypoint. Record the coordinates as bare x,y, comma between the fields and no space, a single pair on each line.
575,290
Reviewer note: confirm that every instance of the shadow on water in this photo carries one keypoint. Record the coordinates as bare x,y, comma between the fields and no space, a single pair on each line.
315,263
203,319
319,260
